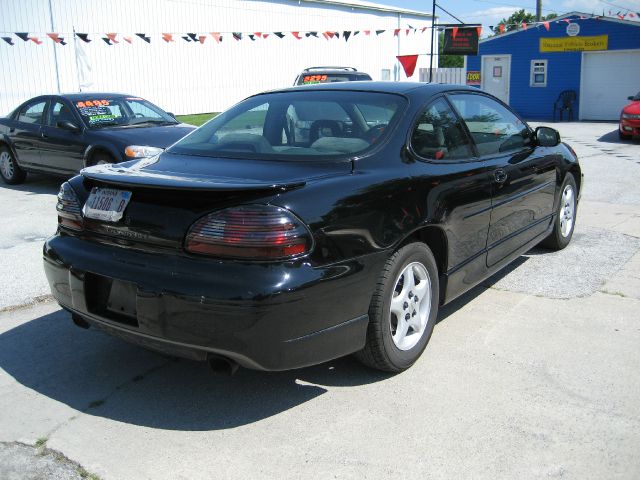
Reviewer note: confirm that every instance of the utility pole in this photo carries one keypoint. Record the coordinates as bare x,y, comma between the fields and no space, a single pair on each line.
433,30
538,10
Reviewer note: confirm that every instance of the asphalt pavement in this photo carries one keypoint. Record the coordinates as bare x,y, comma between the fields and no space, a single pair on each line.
533,374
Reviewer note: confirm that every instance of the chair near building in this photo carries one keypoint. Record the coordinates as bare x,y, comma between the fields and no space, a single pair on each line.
565,101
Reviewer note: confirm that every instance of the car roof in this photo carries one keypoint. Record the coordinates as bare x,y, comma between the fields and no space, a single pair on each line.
84,95
402,88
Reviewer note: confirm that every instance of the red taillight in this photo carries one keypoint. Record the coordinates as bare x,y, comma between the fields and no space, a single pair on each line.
68,207
258,232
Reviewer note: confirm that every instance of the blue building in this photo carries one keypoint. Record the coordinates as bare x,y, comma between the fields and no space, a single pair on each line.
597,57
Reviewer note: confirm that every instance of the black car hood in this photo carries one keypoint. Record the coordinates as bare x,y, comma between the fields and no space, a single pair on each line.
173,171
160,136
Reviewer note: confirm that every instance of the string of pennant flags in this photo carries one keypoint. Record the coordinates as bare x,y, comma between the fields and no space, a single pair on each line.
218,37
168,37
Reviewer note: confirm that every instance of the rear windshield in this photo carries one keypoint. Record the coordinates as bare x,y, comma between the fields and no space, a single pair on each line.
314,78
313,124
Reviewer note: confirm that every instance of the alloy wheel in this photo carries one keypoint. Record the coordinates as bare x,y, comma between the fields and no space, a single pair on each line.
567,210
6,165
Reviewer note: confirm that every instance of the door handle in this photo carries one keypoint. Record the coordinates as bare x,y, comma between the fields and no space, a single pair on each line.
500,176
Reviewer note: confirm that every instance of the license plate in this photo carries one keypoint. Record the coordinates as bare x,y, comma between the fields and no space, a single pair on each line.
106,204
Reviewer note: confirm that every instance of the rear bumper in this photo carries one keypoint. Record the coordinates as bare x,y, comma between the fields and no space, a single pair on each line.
264,316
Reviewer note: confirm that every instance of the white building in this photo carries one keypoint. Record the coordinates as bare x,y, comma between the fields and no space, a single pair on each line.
189,76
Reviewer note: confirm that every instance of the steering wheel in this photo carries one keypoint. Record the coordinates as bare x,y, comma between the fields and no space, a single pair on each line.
374,132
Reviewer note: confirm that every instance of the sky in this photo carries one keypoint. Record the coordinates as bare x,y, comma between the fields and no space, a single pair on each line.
490,12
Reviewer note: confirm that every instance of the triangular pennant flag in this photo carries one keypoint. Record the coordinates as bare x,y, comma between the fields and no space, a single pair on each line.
258,34
312,34
501,27
186,38
252,37
346,34
423,29
57,38
23,35
326,35
367,32
167,37
454,32
632,15
546,25
479,30
237,35
112,37
407,31
144,37
337,34
127,39
265,35
9,40
216,36
192,36
279,34
202,38
621,17
297,35
396,32
106,40
84,37
378,32
408,63
524,25
356,33
35,40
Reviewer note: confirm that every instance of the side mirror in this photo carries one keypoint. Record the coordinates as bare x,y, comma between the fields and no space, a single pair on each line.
547,137
630,98
67,125
174,117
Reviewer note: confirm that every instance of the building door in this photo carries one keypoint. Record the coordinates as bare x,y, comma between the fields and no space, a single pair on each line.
496,73
607,79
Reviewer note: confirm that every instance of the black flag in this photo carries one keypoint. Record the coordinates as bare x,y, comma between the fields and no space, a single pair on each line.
346,34
84,37
23,35
279,34
8,40
144,37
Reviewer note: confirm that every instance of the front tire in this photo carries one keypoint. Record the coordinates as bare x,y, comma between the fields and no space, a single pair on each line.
403,310
10,172
565,220
622,136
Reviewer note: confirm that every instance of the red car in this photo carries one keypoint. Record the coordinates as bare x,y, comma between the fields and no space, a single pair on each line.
630,119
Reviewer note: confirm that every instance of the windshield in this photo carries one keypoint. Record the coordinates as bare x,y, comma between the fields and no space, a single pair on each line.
121,112
310,124
311,78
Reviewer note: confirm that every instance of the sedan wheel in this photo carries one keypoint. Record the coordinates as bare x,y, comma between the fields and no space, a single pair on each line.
403,310
10,172
565,220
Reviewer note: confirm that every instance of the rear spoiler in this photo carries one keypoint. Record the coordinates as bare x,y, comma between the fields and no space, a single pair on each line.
116,174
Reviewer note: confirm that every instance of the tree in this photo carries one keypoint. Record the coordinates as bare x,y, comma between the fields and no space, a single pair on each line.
518,18
448,61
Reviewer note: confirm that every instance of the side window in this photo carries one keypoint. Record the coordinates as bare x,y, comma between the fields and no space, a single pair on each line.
493,127
438,135
251,122
32,113
60,112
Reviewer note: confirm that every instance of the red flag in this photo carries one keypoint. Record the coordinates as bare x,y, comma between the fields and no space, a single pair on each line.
216,36
167,37
479,30
297,35
407,31
265,35
35,40
546,25
112,37
258,34
454,32
408,62
127,39
423,29
621,17
367,32
201,38
396,32
524,25
501,27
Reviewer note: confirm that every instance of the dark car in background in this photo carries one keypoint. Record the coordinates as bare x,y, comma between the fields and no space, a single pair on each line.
61,134
630,119
248,242
315,75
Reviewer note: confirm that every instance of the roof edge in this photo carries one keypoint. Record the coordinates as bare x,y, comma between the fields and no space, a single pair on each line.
368,6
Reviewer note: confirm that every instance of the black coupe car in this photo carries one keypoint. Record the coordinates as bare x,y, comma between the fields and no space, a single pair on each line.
60,134
258,241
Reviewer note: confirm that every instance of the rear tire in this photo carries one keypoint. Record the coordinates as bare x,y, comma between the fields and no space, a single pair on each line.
403,310
10,172
565,220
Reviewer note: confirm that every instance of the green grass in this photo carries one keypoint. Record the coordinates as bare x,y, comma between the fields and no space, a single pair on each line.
40,442
196,119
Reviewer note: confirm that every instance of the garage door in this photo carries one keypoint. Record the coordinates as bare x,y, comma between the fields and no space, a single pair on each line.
607,79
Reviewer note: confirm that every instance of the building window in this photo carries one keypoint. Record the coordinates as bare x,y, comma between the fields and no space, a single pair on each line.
538,73
385,75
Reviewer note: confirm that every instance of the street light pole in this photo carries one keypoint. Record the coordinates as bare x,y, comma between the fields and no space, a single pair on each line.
433,20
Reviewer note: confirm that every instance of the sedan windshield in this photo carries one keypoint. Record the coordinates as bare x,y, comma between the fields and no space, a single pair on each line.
121,112
297,124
